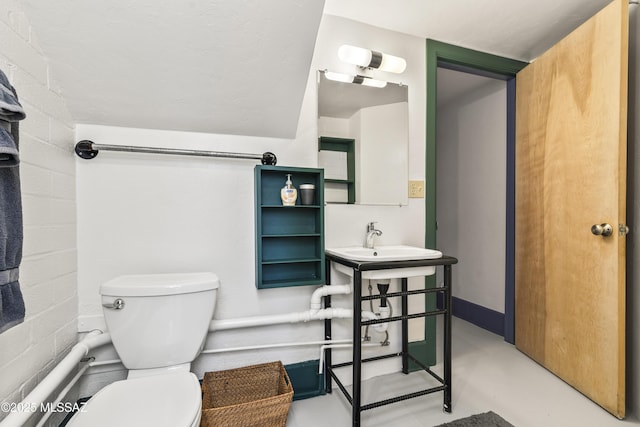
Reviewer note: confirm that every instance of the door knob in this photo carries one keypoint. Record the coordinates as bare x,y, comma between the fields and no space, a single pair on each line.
603,230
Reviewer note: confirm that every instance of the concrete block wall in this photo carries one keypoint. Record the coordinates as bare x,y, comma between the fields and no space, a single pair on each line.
48,272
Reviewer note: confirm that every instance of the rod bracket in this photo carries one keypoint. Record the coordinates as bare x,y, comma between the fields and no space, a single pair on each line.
85,149
268,158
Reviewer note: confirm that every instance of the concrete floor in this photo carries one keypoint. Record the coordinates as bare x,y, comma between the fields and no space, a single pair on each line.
488,375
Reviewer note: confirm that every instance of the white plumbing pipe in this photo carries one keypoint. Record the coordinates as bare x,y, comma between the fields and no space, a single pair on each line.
384,313
316,312
104,362
368,315
275,319
278,345
41,392
349,345
61,395
323,291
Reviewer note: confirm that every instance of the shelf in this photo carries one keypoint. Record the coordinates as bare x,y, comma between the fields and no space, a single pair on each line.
267,284
291,207
339,181
291,261
298,273
289,239
290,221
290,248
292,235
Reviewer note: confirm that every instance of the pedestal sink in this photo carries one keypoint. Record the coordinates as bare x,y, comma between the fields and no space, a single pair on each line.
386,254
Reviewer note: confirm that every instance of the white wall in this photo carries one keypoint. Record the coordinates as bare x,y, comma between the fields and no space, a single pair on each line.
381,127
48,272
471,191
148,213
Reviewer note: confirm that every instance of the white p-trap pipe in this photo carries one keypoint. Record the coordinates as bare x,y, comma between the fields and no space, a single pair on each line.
323,291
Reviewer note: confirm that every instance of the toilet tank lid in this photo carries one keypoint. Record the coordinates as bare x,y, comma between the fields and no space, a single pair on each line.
160,284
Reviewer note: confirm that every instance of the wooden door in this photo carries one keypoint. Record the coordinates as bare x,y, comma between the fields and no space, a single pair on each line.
571,112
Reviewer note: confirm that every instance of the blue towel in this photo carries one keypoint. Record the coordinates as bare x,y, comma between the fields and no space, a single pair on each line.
8,150
12,307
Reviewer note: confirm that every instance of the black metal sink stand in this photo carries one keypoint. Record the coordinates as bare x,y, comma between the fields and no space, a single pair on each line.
358,267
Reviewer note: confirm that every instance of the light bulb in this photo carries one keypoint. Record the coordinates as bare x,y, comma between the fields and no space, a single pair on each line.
373,83
338,77
354,55
371,59
393,64
359,80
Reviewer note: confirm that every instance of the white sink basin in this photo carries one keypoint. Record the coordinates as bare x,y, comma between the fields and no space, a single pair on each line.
386,253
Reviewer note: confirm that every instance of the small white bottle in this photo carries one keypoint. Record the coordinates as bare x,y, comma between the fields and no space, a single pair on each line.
288,194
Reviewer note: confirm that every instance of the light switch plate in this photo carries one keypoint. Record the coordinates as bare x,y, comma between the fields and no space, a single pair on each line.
416,189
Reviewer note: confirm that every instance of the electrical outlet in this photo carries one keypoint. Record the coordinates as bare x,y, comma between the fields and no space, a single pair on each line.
416,189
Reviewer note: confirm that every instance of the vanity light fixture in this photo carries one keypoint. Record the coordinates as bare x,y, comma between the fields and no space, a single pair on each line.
359,80
366,58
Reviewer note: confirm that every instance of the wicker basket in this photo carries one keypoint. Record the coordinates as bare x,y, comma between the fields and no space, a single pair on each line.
253,396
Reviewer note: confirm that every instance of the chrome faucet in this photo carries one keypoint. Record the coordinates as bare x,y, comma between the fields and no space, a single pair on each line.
371,233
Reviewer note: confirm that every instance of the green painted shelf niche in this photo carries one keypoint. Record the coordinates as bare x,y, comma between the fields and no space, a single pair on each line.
289,239
347,146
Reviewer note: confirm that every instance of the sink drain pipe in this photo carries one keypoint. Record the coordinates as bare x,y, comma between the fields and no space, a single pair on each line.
316,312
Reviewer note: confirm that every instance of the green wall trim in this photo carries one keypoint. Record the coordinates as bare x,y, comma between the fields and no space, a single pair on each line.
444,54
423,351
454,57
305,379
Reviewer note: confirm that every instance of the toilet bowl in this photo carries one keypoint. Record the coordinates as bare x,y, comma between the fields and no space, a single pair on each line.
158,324
170,400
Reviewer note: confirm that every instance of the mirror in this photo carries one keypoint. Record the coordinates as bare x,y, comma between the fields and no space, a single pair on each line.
363,142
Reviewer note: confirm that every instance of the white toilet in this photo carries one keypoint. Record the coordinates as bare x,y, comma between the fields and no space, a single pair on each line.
158,324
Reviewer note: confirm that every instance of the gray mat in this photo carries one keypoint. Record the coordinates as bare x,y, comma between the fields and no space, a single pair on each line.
488,419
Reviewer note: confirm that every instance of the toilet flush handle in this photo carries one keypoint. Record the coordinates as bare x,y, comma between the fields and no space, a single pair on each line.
117,304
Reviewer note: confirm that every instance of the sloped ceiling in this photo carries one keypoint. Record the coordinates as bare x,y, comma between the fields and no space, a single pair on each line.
241,66
219,66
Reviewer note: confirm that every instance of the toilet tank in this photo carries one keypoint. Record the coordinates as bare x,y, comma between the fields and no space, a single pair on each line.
162,319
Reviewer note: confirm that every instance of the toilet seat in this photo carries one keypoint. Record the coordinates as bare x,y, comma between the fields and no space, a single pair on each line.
167,400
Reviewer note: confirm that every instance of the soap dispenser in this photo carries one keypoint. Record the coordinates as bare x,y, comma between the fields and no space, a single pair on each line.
288,194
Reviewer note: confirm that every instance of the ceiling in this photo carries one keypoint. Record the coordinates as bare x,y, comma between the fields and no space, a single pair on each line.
455,84
217,66
241,66
519,29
